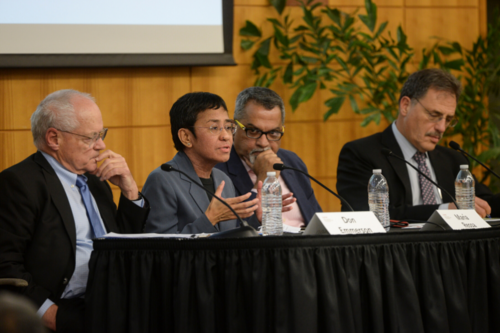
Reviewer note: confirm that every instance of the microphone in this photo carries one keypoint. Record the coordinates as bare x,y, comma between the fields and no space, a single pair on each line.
388,152
243,231
280,166
456,146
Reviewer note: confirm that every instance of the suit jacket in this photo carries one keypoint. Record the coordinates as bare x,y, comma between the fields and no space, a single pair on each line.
178,206
358,158
299,184
37,229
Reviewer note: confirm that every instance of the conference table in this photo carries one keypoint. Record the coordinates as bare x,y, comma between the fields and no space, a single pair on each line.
443,281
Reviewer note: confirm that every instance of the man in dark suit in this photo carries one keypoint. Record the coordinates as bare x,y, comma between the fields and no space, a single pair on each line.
260,116
54,202
426,108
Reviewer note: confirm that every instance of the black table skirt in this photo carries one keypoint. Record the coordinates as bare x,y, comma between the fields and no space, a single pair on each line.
414,282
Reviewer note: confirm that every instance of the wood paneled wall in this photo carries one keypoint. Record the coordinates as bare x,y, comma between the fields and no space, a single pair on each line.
135,101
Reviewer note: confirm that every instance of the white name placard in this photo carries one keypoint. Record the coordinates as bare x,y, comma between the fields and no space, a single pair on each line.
344,223
459,219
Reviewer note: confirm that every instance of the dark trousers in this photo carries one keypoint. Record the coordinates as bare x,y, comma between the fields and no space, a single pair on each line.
70,315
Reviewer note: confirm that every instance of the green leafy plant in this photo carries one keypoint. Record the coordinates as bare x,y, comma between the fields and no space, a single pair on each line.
479,70
348,54
360,63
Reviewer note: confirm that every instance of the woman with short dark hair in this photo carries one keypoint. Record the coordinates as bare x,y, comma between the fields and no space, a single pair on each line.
203,136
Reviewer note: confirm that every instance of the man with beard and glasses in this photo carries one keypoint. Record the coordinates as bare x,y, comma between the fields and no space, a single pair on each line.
260,117
426,109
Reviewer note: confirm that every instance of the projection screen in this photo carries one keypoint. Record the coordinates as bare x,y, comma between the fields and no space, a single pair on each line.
61,33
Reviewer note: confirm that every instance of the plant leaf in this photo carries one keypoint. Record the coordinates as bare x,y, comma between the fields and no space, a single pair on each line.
370,20
309,60
373,117
457,47
354,104
260,80
280,37
270,81
264,47
344,65
262,54
334,105
275,22
294,100
279,5
381,29
308,91
308,17
454,64
263,60
288,76
250,29
489,154
246,44
446,50
334,15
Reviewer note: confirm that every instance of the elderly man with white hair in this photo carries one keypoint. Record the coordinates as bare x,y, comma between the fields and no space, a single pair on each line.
54,202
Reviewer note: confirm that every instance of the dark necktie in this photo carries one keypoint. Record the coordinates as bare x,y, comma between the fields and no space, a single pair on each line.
426,187
97,227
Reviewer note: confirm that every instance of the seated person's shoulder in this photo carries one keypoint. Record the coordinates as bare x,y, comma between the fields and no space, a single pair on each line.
367,141
25,170
159,179
290,158
221,175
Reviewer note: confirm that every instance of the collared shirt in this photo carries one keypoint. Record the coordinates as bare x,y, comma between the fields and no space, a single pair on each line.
293,217
78,283
408,152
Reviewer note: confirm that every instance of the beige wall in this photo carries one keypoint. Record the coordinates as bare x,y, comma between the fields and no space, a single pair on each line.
135,101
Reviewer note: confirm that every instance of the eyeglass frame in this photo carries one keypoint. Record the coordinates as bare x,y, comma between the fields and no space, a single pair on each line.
100,135
211,129
452,123
261,132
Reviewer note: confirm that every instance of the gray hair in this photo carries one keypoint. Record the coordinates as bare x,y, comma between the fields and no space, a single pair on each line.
262,96
56,111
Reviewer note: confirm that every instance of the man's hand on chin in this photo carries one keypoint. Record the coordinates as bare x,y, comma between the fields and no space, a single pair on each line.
115,169
264,163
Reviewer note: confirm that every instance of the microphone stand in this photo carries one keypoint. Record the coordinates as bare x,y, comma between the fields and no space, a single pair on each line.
243,231
280,166
456,146
388,152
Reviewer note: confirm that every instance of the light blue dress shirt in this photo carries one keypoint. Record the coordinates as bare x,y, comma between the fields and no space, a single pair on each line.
78,283
408,152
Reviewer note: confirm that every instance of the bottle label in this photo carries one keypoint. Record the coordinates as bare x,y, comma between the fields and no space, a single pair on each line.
459,219
344,223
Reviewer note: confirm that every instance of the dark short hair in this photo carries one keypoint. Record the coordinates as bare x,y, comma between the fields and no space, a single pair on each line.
185,110
420,82
261,96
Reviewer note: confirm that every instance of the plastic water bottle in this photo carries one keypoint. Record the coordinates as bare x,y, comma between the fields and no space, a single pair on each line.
464,188
271,206
378,198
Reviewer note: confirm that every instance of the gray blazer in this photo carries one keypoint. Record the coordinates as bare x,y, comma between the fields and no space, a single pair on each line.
177,205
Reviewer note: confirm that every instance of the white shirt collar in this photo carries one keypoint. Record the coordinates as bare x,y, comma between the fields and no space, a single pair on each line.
407,148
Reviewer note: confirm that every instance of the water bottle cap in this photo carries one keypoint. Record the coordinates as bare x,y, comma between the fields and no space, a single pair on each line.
377,171
271,174
464,166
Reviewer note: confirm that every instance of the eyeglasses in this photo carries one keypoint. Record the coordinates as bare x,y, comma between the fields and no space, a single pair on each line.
255,133
216,130
91,139
436,117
